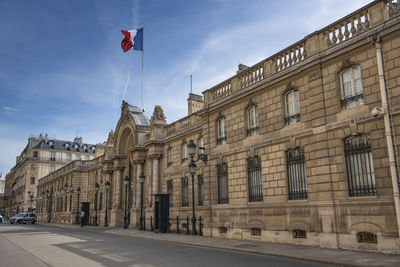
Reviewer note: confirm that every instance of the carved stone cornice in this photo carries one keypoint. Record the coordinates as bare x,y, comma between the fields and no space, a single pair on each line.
139,161
119,168
154,156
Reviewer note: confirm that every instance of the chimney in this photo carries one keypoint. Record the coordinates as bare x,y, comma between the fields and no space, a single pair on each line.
195,103
78,140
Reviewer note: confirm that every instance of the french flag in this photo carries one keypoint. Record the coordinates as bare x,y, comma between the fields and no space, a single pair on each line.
133,38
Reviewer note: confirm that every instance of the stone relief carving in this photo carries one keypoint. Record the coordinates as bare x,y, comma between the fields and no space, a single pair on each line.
158,114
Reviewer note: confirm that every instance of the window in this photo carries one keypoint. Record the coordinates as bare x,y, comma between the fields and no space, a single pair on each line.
184,152
52,156
255,231
33,167
296,174
170,191
352,91
255,179
65,206
223,192
221,134
367,237
78,157
252,121
101,201
185,196
201,145
67,147
32,180
85,148
93,149
86,157
223,230
298,233
359,166
292,107
169,157
51,144
76,147
201,189
70,202
35,154
52,168
68,157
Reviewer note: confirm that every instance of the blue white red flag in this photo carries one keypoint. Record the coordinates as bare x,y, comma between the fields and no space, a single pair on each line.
133,38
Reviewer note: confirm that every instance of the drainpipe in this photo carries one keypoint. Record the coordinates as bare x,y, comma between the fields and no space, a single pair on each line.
388,132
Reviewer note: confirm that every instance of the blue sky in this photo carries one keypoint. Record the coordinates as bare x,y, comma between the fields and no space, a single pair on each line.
62,70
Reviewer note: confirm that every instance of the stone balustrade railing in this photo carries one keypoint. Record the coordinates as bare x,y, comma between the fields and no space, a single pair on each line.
291,56
356,23
347,28
182,124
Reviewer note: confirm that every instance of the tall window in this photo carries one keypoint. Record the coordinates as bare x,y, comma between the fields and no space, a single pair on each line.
296,174
68,157
221,133
359,166
78,157
184,152
200,145
52,156
255,179
185,196
35,154
292,107
70,202
52,168
201,190
352,91
101,201
169,157
32,180
170,191
222,176
252,121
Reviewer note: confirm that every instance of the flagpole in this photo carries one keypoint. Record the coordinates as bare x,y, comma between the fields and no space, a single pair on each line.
142,68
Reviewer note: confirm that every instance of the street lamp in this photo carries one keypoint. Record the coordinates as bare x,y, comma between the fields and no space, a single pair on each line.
96,188
192,169
126,183
141,177
78,191
107,187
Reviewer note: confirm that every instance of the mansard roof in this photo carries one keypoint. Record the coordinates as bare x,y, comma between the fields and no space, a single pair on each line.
138,116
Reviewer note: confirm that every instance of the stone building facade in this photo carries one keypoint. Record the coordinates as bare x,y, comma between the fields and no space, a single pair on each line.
302,147
41,156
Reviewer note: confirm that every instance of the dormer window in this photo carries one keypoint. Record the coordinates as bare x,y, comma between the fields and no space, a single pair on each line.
85,148
93,149
67,146
51,144
76,147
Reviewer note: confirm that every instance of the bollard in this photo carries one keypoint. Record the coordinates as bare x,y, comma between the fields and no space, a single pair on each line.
200,228
177,225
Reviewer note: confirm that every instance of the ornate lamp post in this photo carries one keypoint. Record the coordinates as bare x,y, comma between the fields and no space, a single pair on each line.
96,188
107,187
126,183
78,191
141,177
192,169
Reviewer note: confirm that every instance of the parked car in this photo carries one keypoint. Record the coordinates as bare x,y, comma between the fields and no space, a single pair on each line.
24,217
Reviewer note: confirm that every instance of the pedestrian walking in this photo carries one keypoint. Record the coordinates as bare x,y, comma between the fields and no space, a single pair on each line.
82,218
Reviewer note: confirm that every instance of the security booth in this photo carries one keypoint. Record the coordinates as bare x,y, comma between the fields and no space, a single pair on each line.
161,212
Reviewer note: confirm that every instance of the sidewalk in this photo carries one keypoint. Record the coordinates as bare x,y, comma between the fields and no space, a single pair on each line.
323,255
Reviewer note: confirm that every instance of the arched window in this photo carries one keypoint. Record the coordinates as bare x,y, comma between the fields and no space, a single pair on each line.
185,195
359,166
351,87
221,132
184,152
296,174
252,120
223,189
169,157
170,191
292,107
254,179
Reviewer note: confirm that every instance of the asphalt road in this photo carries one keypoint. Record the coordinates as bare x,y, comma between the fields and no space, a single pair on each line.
39,245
